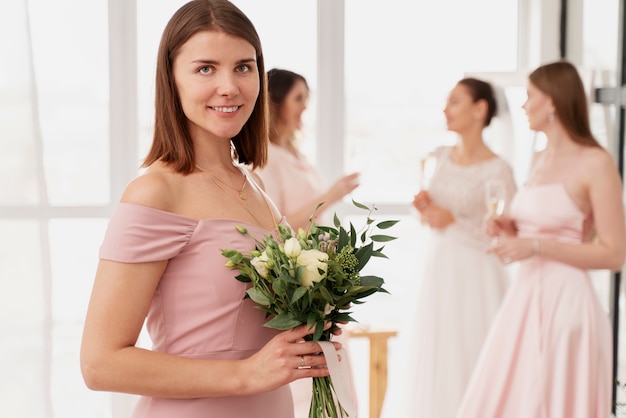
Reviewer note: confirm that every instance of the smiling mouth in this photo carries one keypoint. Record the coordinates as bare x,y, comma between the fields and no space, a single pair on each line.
225,109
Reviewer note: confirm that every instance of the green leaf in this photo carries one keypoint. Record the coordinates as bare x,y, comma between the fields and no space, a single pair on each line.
373,281
327,295
379,254
299,293
258,296
386,224
343,317
243,278
382,238
336,220
288,278
343,239
352,235
278,286
319,328
230,253
283,322
361,292
328,229
359,205
364,254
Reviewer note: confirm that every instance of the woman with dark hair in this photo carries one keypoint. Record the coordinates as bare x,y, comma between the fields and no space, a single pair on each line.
549,351
293,183
161,257
461,286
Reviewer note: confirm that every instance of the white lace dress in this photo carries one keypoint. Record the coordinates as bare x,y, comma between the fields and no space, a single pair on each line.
460,291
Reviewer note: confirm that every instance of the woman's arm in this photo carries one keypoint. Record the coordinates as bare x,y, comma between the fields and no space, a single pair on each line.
110,361
342,187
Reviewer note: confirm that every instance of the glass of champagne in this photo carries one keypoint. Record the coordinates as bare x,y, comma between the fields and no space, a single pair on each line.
495,195
428,165
495,198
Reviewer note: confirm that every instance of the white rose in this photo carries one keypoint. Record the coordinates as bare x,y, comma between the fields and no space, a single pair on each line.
292,247
328,309
313,261
260,264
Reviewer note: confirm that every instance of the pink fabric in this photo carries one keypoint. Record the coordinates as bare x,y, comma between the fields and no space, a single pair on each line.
198,309
290,181
549,352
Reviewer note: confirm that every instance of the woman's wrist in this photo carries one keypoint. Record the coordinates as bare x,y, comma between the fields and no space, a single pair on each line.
536,247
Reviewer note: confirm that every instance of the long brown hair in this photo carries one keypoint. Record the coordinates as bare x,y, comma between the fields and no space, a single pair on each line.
172,142
562,83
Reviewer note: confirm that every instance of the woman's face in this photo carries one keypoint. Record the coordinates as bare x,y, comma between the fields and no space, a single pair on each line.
217,79
538,107
461,111
294,105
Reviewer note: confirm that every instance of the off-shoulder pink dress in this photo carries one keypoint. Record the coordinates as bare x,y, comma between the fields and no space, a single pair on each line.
198,309
549,351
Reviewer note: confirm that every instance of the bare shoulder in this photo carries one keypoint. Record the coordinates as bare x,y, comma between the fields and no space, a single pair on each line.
154,188
598,159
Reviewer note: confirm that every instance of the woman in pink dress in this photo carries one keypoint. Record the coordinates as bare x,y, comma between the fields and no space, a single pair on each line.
549,351
295,185
161,260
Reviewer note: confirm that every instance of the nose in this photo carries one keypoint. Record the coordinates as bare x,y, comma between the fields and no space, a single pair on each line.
227,85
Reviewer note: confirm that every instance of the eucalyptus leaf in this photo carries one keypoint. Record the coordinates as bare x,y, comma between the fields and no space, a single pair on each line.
382,238
359,205
372,281
386,224
282,322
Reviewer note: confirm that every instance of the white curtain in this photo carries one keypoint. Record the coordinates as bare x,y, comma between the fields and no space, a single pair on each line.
25,304
54,200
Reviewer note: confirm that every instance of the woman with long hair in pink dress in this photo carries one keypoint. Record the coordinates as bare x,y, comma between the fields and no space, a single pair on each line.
549,351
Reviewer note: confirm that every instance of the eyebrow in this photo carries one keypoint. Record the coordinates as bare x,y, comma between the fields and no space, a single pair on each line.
214,62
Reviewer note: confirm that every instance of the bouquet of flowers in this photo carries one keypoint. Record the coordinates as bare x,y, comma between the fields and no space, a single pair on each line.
313,277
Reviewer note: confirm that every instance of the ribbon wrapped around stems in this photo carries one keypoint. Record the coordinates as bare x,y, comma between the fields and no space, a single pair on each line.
341,377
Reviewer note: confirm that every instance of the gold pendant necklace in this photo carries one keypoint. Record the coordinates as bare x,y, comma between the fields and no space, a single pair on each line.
220,183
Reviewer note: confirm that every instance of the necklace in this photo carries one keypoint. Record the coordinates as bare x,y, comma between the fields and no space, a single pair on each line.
220,183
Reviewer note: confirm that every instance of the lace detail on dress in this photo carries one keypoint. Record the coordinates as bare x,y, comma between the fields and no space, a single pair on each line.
460,189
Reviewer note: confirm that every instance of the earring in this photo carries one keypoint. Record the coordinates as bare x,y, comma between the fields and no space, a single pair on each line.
551,117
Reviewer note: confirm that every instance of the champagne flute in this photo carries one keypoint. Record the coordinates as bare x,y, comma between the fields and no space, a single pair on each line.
495,197
428,165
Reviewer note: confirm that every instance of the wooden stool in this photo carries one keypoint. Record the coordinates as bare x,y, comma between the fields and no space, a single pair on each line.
378,366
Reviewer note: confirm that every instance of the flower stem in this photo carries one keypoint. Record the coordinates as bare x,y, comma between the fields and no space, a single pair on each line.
323,402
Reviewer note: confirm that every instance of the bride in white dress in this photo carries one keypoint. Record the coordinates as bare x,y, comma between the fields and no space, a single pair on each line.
461,286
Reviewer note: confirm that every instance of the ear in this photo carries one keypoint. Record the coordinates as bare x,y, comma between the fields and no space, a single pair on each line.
480,109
